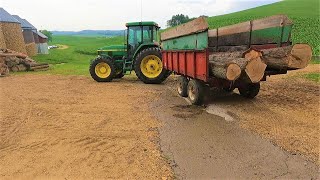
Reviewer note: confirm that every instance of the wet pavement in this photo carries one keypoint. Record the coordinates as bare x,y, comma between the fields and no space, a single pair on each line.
205,146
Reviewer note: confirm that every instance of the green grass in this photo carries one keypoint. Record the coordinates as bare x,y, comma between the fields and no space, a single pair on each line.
313,77
304,13
75,60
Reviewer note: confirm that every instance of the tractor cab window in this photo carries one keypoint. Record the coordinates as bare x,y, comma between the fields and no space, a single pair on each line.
134,38
147,34
155,34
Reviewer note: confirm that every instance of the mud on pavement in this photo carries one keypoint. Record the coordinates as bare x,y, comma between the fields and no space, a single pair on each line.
275,136
204,146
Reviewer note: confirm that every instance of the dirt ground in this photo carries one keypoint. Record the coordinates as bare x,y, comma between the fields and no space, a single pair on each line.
72,127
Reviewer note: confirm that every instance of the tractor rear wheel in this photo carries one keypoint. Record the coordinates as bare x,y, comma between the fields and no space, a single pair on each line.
148,66
102,69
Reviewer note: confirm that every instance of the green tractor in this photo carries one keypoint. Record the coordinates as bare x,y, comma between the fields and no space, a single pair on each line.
141,53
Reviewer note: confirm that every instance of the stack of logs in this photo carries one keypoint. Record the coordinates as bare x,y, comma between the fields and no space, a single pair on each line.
17,62
251,65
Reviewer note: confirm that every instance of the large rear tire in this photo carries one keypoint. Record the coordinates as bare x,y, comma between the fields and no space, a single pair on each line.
102,69
195,92
148,66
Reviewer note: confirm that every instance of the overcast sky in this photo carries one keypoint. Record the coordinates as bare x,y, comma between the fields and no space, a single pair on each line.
113,14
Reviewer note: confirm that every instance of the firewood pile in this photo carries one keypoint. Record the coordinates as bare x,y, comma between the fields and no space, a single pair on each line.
251,65
11,61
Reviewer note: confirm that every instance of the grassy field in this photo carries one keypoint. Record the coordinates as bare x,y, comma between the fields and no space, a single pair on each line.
75,59
304,13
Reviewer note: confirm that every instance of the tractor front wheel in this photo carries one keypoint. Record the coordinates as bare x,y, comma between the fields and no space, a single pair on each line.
148,66
102,70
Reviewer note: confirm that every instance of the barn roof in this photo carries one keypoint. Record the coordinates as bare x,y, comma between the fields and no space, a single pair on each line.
40,34
24,23
29,24
6,17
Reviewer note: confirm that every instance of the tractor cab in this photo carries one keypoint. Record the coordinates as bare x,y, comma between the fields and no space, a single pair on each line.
141,33
141,53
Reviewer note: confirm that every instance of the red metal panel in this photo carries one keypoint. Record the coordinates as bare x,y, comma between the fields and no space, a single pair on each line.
190,65
175,61
193,64
201,67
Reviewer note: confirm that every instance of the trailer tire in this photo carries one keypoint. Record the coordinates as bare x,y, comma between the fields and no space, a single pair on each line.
182,86
195,92
228,89
148,66
249,90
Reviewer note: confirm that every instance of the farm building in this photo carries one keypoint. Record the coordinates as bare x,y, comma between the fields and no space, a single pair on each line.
11,32
40,39
27,29
42,42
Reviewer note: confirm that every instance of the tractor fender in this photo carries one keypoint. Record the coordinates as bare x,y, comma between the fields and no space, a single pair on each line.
142,47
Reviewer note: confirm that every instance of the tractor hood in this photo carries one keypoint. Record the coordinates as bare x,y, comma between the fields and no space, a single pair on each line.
113,48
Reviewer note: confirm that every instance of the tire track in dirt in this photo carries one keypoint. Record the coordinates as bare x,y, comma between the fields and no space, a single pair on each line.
72,127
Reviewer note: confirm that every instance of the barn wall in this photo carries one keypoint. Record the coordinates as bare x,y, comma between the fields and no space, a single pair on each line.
13,37
36,37
43,48
2,41
43,40
28,36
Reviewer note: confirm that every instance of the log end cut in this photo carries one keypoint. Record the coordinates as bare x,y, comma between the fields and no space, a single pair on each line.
300,56
233,72
255,70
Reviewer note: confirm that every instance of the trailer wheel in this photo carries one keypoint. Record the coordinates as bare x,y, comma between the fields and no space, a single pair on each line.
183,86
228,89
195,92
249,90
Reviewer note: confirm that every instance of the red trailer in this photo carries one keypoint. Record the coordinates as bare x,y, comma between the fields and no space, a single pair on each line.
186,51
193,66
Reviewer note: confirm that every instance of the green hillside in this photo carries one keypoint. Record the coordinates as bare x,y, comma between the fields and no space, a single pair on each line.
304,13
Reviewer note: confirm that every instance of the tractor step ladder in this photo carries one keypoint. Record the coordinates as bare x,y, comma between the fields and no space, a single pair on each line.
127,68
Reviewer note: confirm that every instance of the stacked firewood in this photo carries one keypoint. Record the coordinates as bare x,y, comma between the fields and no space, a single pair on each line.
11,61
250,65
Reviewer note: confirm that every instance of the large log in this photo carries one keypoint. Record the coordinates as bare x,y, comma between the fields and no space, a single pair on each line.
290,57
227,68
249,62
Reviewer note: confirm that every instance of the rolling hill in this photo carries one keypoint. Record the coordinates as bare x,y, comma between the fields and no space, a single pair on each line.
304,13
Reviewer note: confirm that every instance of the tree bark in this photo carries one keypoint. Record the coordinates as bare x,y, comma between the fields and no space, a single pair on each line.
293,57
249,62
227,68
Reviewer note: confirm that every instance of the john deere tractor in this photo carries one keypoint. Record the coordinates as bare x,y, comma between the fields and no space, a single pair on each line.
141,53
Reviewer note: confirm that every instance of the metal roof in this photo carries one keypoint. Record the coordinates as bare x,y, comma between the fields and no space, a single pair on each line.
6,17
40,34
29,24
24,24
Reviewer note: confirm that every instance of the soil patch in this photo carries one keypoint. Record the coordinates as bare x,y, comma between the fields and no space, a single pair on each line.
73,127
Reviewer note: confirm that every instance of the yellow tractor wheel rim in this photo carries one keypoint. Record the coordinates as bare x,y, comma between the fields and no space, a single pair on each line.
151,66
103,70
